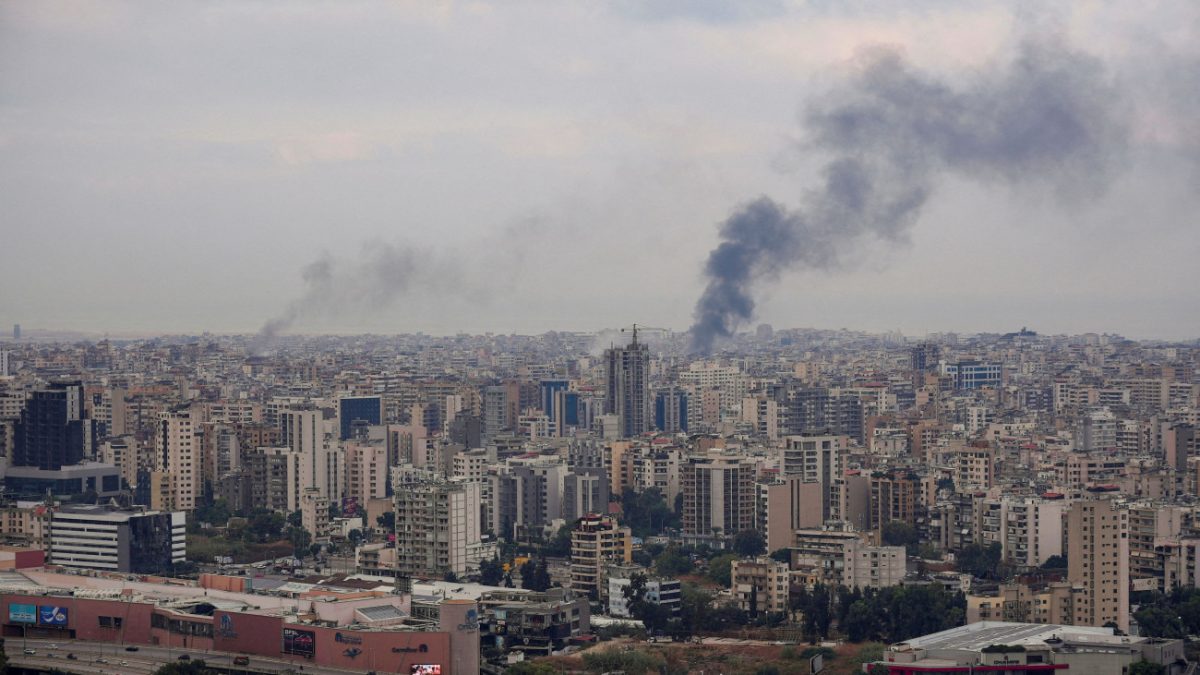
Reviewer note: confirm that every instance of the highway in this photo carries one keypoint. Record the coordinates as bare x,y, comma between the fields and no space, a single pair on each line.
102,658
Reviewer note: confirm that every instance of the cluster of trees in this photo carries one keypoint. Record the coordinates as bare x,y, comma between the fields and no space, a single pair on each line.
892,614
1171,615
897,613
185,668
535,576
259,527
983,562
675,560
647,513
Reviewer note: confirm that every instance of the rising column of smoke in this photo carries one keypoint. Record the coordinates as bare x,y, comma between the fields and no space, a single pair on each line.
1051,118
377,278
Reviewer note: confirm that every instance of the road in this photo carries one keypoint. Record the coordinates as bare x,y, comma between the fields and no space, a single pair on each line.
142,662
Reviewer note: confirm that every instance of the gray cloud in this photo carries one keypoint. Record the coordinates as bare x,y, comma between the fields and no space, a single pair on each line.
1050,120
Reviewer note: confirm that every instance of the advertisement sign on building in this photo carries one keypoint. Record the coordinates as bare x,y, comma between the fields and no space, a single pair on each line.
299,642
52,616
22,613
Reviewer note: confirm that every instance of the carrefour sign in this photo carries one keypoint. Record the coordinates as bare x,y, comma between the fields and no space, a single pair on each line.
52,616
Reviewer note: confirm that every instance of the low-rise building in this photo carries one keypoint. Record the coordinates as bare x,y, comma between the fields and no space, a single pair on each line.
666,593
1028,648
596,542
138,541
761,585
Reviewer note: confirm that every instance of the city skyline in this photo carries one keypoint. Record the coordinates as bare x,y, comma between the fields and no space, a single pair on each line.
528,168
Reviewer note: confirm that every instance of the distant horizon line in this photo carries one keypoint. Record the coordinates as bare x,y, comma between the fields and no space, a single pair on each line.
32,334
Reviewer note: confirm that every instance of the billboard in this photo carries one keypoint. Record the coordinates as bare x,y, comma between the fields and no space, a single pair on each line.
52,616
299,642
22,613
427,669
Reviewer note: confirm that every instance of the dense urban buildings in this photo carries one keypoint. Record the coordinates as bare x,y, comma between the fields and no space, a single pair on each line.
1035,480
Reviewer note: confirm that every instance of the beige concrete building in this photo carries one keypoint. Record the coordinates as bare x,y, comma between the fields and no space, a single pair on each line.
314,514
366,471
177,459
438,529
1098,561
787,504
874,566
597,542
718,498
761,585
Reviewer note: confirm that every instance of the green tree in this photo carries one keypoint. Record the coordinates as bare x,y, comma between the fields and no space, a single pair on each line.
542,576
491,572
559,545
1160,622
981,561
720,569
300,539
295,518
216,513
264,525
900,533
652,615
1145,667
749,543
184,668
386,521
1055,562
535,576
647,513
673,562
531,668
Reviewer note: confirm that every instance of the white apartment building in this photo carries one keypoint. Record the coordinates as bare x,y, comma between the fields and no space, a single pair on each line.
94,537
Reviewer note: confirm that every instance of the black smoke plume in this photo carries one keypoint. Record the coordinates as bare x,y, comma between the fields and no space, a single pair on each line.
1049,118
375,279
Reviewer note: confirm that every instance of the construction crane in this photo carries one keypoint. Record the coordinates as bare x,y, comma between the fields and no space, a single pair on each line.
635,328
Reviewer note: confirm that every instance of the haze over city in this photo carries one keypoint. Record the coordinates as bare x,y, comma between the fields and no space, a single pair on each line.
523,337
523,167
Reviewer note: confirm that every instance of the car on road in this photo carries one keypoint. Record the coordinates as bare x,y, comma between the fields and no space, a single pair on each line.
184,657
131,648
71,657
52,645
124,663
30,651
101,660
241,660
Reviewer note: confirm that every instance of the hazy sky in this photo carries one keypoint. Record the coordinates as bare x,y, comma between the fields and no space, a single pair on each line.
526,166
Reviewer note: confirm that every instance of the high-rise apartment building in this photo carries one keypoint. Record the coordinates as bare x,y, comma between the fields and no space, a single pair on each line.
816,459
1098,560
321,467
895,496
176,462
366,471
718,498
596,542
495,412
358,410
627,371
437,528
52,431
671,410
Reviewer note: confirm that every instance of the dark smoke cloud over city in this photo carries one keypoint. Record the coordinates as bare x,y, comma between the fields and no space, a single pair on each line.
1049,119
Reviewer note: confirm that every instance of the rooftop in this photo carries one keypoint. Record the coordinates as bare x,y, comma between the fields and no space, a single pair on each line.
976,636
